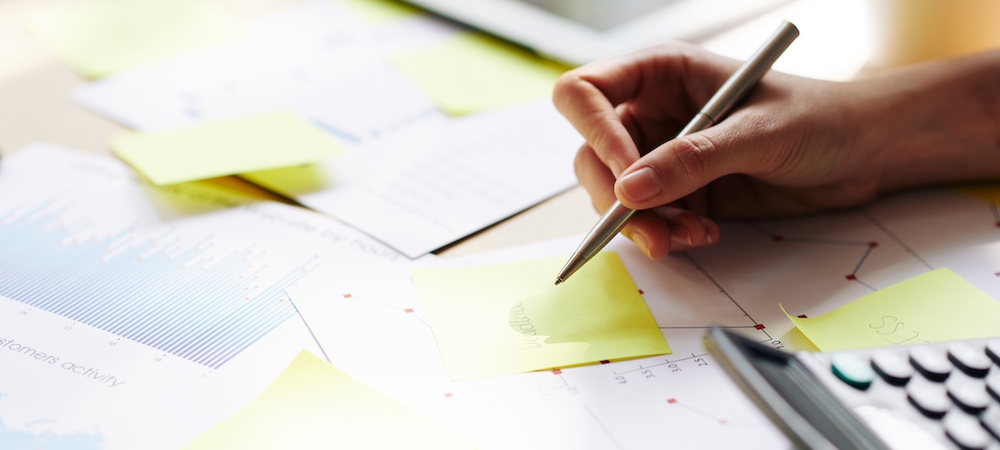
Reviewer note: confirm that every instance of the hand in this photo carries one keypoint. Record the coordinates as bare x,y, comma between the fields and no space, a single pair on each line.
794,146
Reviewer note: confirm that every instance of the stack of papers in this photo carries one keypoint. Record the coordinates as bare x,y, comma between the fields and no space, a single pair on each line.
443,132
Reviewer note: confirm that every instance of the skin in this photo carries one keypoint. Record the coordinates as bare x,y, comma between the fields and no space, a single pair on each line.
795,146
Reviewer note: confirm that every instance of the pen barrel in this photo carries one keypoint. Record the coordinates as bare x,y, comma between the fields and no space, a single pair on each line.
744,79
610,223
734,89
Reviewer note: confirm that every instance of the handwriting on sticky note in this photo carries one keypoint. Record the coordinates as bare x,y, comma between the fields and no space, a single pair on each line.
216,149
510,318
472,72
895,331
314,405
933,307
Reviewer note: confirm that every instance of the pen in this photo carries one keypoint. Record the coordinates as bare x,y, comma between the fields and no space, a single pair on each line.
734,89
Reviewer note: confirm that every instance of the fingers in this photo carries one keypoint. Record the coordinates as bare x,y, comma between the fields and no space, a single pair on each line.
641,91
656,232
593,115
595,177
740,144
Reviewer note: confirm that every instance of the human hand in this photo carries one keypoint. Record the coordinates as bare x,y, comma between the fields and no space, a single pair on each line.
794,146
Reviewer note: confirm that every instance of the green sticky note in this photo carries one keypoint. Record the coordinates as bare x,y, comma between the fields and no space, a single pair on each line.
314,405
101,37
934,307
473,72
511,318
223,148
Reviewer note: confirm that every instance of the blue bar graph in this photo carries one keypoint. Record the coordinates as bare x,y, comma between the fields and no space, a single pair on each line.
150,291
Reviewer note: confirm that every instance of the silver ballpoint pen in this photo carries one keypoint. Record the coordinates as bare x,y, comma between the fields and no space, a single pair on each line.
734,89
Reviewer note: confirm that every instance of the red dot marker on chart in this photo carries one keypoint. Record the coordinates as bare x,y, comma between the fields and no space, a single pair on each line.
759,326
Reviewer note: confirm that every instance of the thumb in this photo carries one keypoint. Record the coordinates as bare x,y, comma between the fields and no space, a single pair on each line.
678,168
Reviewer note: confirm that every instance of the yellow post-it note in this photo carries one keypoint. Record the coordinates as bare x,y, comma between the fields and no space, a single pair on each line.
223,148
933,307
101,37
312,405
473,72
383,11
511,318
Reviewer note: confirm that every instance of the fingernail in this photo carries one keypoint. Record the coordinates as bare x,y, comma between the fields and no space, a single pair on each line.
641,242
681,236
641,184
708,233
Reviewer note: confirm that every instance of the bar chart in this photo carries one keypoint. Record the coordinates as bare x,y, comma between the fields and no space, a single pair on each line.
181,301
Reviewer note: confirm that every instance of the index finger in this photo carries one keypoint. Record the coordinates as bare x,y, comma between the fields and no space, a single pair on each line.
601,99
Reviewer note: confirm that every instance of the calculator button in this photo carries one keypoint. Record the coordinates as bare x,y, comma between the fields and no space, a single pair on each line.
853,370
993,350
993,384
930,398
892,367
990,420
965,431
969,359
931,363
968,393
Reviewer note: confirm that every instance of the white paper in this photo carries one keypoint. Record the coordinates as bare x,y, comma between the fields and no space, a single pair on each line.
414,178
810,265
437,184
137,317
318,58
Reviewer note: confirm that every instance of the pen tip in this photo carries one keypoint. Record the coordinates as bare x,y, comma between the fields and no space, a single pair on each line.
558,280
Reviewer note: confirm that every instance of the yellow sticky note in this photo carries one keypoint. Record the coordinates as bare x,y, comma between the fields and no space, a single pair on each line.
382,11
222,148
312,405
101,37
510,318
933,307
473,72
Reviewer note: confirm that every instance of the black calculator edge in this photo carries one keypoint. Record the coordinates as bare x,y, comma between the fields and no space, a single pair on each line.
737,355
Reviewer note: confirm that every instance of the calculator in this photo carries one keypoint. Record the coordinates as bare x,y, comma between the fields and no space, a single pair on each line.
924,396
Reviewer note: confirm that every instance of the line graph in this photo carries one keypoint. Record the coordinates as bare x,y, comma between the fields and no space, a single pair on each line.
182,301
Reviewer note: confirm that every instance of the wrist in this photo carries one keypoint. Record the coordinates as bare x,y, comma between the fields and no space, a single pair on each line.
935,122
